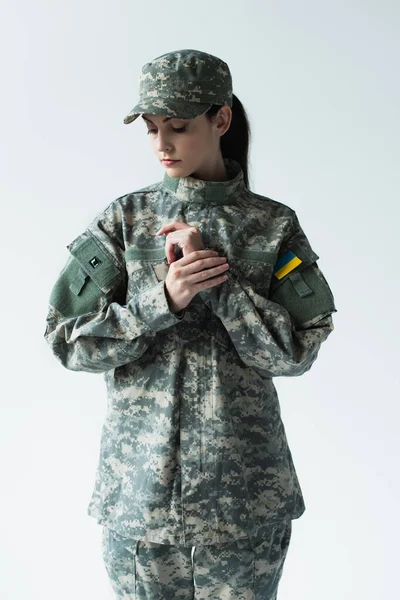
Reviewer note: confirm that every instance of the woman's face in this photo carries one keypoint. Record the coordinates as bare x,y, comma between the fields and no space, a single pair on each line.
194,143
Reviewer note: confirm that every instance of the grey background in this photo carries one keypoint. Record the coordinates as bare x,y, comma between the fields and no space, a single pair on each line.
320,83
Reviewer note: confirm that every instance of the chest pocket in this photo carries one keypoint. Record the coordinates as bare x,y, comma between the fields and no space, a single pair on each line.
254,265
145,268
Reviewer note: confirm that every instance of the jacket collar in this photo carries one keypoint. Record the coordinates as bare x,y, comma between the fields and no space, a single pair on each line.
190,189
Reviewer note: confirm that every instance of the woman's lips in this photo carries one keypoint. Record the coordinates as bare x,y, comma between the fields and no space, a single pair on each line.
170,163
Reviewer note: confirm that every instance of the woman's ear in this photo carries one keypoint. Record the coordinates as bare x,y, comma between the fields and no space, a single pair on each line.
224,118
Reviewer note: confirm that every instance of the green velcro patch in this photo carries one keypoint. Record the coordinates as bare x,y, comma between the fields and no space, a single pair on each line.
145,254
262,256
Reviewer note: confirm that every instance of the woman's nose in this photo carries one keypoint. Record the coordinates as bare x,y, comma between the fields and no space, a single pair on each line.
162,142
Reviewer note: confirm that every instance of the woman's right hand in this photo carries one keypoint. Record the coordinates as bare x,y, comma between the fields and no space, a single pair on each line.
197,271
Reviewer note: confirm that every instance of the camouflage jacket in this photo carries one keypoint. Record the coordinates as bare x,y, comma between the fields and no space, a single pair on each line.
193,449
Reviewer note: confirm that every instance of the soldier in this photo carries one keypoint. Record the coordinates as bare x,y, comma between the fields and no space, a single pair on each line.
190,295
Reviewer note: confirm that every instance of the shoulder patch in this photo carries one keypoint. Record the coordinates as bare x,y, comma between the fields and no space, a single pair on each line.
286,263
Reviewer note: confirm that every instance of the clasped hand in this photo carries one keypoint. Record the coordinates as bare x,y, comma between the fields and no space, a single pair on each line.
197,270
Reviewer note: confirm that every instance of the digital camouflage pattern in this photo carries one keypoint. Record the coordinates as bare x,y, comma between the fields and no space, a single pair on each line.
184,84
245,569
193,450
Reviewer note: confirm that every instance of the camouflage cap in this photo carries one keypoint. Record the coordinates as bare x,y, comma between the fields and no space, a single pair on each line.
184,84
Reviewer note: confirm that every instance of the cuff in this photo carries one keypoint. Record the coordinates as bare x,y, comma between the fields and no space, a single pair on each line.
154,308
227,300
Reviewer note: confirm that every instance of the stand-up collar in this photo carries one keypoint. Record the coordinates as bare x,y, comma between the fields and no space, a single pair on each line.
190,189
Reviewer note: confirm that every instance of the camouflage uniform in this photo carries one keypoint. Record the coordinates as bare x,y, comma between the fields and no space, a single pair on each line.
246,569
193,450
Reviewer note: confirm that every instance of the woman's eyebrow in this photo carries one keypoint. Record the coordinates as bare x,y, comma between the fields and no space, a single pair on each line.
164,120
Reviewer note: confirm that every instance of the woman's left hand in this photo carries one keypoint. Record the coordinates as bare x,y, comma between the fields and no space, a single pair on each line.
187,237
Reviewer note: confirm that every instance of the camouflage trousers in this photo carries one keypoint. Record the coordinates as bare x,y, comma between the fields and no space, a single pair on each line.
246,569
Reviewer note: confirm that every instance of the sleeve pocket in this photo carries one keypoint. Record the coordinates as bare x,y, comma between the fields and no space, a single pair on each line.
74,293
86,280
305,294
95,261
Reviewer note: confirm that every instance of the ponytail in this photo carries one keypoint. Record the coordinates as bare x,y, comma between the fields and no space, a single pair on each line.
235,141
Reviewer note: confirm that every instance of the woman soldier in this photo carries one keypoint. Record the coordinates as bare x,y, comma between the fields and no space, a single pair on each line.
190,295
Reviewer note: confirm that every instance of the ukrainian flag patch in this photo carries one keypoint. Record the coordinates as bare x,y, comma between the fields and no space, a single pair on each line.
286,263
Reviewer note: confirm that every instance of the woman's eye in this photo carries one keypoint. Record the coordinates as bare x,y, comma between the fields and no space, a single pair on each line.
178,130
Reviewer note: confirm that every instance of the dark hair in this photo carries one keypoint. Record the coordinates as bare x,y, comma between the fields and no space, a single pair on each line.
235,142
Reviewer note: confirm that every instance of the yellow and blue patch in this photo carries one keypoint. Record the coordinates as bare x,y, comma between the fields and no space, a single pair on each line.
286,263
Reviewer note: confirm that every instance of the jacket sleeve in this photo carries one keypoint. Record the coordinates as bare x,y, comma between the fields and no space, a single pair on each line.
88,325
278,335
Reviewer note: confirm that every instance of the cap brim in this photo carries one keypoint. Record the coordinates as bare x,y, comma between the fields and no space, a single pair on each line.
171,109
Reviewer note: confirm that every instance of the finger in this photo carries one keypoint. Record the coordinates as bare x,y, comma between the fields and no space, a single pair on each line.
181,239
170,243
209,283
196,255
193,274
204,269
171,227
169,251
